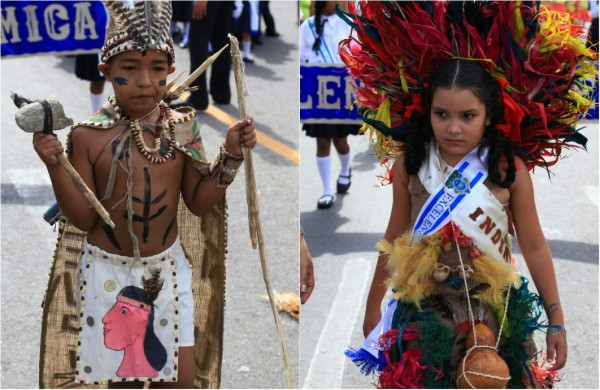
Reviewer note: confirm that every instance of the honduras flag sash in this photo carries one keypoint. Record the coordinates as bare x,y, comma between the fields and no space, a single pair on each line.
475,210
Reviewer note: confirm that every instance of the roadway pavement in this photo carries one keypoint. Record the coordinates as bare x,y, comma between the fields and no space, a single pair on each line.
342,242
252,355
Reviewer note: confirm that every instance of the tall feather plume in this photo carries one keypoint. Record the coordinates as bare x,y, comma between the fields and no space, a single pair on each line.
141,23
152,286
119,14
163,12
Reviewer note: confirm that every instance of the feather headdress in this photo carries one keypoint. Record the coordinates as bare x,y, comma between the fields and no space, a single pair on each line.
537,56
138,25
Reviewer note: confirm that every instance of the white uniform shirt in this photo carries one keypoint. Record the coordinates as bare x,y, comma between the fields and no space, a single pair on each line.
334,30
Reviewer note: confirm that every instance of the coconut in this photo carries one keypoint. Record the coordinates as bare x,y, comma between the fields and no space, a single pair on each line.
480,362
484,336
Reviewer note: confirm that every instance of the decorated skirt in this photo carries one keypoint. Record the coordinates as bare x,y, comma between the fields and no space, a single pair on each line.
124,334
421,339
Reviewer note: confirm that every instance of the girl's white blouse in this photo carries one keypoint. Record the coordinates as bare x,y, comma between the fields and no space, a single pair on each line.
334,30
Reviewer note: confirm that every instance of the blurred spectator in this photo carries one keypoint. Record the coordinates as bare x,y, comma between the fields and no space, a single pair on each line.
246,26
305,10
270,31
210,23
319,39
86,68
182,12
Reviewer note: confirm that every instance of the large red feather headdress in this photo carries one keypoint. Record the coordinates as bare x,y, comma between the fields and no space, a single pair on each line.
539,57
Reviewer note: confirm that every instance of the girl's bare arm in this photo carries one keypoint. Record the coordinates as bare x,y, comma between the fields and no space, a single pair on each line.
399,222
538,259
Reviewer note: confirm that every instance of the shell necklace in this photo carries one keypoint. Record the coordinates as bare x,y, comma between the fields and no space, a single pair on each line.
137,133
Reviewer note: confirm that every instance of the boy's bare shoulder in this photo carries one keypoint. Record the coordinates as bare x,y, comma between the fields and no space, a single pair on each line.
84,135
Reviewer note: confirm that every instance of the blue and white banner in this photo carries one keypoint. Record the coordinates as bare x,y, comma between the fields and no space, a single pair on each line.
58,27
326,95
462,197
450,192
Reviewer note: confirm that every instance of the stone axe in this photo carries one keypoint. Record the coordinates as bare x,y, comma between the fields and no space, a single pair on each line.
51,113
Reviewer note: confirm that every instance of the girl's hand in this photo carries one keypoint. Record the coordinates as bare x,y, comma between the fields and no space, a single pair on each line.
556,345
47,147
240,134
307,273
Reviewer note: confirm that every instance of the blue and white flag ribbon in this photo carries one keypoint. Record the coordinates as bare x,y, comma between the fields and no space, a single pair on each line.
469,172
475,210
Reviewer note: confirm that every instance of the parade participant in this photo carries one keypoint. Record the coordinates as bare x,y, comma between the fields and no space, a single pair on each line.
460,314
132,156
320,36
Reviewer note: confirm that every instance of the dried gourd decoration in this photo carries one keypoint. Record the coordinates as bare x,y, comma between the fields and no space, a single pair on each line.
482,367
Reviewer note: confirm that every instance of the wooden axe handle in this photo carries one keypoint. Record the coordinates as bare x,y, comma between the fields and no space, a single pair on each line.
64,161
89,195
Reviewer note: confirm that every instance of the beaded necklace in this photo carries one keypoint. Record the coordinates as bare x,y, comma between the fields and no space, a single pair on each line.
137,134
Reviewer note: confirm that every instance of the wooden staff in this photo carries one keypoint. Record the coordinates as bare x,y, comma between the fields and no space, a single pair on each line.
252,200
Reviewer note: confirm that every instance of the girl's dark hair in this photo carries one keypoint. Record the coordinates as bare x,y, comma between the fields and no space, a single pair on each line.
319,6
153,349
463,74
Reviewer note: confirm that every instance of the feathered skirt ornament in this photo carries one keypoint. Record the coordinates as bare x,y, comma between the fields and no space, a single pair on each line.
546,73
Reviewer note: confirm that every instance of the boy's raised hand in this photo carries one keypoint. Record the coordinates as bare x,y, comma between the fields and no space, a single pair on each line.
240,134
47,147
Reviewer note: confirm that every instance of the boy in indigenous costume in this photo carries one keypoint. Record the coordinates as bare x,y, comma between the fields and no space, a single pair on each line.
464,99
142,301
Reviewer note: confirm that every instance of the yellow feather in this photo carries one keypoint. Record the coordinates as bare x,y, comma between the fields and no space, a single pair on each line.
498,274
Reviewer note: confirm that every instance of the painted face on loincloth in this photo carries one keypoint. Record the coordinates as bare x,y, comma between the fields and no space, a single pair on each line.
125,323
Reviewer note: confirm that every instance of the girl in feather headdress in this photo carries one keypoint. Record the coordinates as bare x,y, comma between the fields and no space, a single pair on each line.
465,97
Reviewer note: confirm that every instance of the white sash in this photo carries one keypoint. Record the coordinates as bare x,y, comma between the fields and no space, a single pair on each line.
478,215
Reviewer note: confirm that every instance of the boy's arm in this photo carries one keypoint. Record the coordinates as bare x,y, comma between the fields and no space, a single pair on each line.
539,260
70,199
399,223
200,192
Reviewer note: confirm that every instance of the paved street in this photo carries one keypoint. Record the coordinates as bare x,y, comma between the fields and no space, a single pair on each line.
252,354
342,242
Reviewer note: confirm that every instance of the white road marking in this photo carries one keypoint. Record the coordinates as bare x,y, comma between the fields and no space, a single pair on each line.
327,365
22,179
592,194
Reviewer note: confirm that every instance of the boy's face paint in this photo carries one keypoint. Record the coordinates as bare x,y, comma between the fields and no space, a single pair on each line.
458,120
120,80
139,81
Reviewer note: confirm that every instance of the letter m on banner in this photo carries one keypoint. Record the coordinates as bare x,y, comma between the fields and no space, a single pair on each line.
57,27
326,94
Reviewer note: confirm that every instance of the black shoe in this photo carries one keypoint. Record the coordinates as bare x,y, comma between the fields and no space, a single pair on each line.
325,202
248,60
343,188
272,34
257,41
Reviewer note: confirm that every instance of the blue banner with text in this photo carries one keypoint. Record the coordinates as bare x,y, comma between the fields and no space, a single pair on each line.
59,27
326,94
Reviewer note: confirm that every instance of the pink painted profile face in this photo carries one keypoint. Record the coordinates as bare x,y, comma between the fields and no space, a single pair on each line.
458,120
125,323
